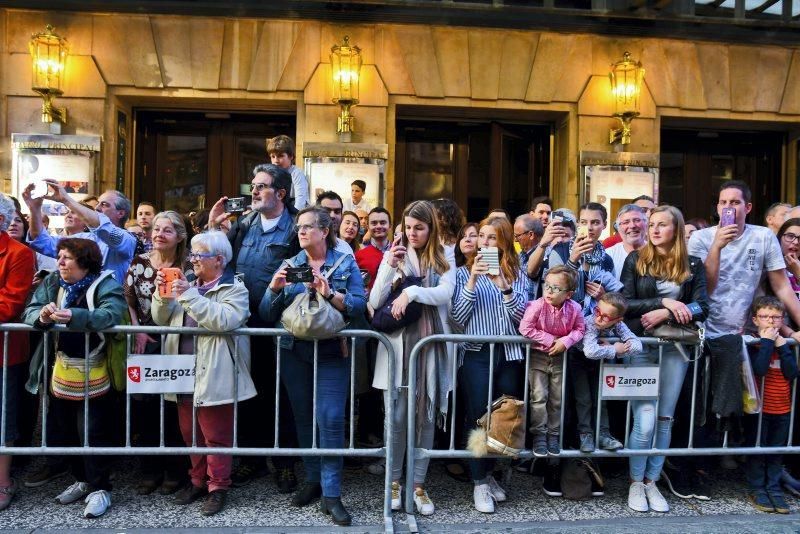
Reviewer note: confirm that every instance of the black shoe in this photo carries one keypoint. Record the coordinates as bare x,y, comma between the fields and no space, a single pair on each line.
334,507
310,491
214,502
552,481
148,485
189,494
246,473
45,475
286,480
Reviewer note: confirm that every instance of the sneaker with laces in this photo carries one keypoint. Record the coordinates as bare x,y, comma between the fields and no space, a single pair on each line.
7,494
397,496
74,493
587,442
637,497
551,486
498,493
484,501
97,503
553,444
423,502
655,500
540,446
610,443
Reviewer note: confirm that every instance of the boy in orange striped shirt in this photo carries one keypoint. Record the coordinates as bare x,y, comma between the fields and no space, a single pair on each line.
775,361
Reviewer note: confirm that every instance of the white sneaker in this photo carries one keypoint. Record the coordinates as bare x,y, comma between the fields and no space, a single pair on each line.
656,501
637,497
498,492
74,493
484,500
397,491
96,504
423,502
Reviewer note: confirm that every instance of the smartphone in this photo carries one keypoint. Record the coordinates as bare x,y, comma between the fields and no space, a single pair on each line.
170,275
491,257
235,205
365,276
40,189
694,308
582,232
296,275
728,217
557,220
41,274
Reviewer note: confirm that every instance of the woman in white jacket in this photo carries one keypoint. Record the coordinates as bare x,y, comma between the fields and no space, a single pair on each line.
416,252
217,302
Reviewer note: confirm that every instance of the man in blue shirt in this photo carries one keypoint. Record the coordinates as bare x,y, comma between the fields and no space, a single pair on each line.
261,240
105,226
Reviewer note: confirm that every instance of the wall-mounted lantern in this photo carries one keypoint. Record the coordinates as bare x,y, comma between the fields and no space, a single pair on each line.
345,70
49,59
626,86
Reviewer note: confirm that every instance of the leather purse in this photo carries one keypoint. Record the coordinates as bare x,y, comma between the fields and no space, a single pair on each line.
384,321
676,332
502,431
310,316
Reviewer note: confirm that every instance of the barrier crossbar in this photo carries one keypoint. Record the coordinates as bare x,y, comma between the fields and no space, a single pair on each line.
695,355
384,452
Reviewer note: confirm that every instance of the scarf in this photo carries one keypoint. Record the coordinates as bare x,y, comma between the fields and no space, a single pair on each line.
433,376
76,290
592,258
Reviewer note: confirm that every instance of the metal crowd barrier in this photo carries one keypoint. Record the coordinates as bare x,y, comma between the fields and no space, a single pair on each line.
384,452
695,355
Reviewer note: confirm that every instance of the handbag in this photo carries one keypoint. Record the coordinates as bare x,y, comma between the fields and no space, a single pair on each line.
384,321
69,381
310,316
677,332
501,431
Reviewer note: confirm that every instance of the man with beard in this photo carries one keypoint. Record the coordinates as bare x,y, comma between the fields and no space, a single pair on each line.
261,240
632,228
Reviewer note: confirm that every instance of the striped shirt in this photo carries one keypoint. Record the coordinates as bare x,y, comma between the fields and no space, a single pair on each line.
778,367
484,312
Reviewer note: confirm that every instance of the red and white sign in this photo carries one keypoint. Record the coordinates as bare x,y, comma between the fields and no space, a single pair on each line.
630,382
161,373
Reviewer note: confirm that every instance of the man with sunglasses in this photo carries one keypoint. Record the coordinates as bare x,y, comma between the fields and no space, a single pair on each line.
261,240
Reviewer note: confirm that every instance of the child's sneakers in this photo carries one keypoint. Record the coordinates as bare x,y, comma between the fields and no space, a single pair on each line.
587,442
609,443
553,444
539,445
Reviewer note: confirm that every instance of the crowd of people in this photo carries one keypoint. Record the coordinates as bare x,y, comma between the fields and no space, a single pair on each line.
545,274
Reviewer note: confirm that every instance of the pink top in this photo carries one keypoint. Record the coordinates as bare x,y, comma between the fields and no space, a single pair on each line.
546,324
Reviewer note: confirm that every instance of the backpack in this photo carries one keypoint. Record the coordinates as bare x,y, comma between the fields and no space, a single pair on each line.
577,477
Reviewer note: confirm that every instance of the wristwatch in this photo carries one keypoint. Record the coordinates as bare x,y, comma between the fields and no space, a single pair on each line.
330,296
509,291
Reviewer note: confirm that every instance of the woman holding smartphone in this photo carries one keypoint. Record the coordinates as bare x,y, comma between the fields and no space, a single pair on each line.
489,305
662,283
417,251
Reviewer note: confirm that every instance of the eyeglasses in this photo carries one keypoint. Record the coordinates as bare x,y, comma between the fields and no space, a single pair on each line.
259,187
302,228
552,289
517,236
791,238
773,318
603,317
196,256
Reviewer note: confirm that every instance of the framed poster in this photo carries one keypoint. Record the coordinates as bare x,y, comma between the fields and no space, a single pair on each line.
68,159
615,179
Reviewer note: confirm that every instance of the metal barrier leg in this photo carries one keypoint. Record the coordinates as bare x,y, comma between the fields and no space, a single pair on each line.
352,392
277,418
698,353
599,404
127,396
86,371
563,399
5,392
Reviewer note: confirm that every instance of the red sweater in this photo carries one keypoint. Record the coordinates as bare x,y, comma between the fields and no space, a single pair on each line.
369,258
17,266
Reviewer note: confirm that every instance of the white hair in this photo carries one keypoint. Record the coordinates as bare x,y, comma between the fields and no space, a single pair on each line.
216,242
7,210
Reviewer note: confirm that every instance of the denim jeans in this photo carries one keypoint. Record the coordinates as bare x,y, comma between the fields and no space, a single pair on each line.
545,377
673,371
764,472
509,379
333,377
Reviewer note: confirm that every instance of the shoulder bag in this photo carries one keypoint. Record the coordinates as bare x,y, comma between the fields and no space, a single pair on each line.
384,321
310,316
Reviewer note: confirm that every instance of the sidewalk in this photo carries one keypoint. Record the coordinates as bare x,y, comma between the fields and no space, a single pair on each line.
259,508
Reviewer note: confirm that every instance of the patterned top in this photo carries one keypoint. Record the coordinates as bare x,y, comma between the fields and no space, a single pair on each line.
140,284
545,324
592,348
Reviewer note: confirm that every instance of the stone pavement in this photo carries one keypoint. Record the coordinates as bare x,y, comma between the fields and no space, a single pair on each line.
259,508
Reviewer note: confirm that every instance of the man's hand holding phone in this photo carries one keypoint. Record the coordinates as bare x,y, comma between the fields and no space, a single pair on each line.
554,233
727,230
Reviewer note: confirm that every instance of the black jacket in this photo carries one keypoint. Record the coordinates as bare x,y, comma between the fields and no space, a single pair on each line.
642,292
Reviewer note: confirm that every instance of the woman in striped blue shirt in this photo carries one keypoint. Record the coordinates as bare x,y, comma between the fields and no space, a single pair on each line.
489,305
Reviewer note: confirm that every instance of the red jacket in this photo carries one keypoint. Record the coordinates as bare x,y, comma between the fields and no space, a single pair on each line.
17,267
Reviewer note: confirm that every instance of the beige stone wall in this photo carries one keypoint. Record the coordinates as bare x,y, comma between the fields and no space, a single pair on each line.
121,61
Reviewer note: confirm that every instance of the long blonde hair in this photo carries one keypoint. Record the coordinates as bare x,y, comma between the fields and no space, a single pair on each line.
509,261
432,255
674,266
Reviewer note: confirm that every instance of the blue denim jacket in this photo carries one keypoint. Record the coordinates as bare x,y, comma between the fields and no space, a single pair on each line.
345,279
260,255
